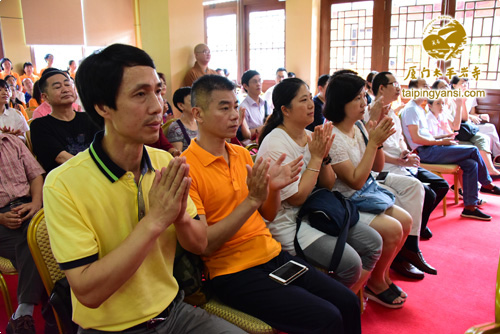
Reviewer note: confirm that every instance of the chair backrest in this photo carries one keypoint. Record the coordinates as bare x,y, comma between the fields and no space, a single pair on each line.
165,126
39,244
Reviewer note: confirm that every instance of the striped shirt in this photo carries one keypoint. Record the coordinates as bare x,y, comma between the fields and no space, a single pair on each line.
17,168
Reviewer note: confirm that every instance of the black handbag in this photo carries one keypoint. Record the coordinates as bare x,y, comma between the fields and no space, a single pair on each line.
331,213
467,131
60,300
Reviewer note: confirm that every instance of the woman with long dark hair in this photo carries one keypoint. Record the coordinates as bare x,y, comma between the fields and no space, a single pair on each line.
352,162
285,133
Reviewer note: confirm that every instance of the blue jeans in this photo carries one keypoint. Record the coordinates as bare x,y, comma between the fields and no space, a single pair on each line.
468,158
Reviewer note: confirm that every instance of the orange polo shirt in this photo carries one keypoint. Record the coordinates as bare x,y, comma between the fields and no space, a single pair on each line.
14,74
217,189
33,77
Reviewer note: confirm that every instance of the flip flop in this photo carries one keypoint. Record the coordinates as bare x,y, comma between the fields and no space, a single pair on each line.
385,298
398,290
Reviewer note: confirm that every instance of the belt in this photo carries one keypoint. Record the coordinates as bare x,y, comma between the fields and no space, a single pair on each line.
152,323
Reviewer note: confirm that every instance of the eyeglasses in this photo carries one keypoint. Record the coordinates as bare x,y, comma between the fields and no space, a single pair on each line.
395,84
206,52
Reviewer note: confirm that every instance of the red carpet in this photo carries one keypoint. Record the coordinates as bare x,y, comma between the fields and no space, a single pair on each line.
465,252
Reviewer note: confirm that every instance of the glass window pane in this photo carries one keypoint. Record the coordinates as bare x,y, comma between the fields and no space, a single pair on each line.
350,37
221,39
62,55
267,41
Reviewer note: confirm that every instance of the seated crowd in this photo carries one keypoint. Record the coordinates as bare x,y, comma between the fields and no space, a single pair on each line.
209,195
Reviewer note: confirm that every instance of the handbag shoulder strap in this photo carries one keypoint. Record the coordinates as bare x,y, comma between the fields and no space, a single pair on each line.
184,132
341,239
358,124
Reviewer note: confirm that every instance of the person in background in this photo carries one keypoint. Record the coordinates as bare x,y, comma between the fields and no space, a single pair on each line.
319,100
28,89
291,75
168,112
36,98
6,66
369,92
28,73
200,68
256,108
281,74
72,69
49,59
11,121
63,133
185,128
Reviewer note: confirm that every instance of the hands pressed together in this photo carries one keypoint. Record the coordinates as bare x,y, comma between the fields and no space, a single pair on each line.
378,133
321,140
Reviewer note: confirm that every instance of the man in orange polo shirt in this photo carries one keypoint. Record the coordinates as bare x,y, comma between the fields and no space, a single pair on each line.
232,197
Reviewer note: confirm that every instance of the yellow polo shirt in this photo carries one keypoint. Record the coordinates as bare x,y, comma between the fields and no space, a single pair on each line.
217,189
91,206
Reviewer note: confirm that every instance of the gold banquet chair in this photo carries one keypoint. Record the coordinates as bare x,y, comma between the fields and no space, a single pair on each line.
492,327
6,268
39,243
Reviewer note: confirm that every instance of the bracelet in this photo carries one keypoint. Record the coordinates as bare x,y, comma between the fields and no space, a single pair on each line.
313,170
381,146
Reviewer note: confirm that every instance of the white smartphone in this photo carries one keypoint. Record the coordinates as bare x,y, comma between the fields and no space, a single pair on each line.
288,272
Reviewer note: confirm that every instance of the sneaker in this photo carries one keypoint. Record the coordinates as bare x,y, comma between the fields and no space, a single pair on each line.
22,325
475,214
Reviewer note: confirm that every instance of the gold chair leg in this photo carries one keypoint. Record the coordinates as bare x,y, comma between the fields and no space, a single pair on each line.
457,185
361,300
6,297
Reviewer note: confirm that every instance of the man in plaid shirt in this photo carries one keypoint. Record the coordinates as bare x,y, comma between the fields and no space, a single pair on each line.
21,183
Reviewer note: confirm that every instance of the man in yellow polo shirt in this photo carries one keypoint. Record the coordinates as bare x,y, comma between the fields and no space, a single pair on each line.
232,197
115,210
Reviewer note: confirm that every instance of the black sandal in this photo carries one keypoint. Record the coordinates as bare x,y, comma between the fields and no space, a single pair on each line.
385,298
398,290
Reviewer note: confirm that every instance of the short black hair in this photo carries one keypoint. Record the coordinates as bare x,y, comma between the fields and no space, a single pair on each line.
342,89
344,71
370,76
413,84
179,96
436,83
27,64
51,71
380,79
47,56
245,78
100,76
202,89
322,80
4,84
281,69
456,79
3,61
7,77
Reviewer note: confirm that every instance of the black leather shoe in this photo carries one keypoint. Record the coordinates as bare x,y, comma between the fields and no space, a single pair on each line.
417,259
426,234
407,269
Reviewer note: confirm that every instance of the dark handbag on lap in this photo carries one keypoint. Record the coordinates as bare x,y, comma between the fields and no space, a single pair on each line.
467,131
331,213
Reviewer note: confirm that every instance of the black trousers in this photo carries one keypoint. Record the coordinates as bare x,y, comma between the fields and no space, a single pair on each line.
434,193
14,246
313,303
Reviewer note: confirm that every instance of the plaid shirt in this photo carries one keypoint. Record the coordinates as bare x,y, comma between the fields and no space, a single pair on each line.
17,168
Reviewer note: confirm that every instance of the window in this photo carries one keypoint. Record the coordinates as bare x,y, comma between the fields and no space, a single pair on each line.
351,36
267,41
221,37
408,21
62,55
246,34
481,20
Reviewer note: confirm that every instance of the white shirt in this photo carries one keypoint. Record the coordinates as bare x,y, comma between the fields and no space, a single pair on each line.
283,227
11,118
255,113
413,114
268,97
